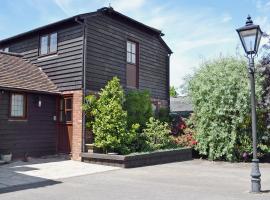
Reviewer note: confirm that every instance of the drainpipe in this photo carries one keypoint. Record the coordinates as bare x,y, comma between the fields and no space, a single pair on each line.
81,22
168,68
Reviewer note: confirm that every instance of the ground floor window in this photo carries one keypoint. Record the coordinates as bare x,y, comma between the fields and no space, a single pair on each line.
17,105
65,110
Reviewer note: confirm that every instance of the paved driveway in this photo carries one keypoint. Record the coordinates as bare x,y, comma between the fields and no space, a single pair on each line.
190,180
44,172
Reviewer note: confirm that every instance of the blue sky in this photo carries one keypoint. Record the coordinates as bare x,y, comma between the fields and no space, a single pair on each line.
195,30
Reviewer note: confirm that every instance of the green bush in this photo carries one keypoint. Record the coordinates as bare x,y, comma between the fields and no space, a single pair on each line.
89,107
139,107
157,135
221,102
163,115
110,120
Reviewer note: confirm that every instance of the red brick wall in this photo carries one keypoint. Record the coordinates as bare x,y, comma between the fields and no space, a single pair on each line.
76,148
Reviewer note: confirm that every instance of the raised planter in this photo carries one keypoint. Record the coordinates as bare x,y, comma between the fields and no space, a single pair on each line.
139,159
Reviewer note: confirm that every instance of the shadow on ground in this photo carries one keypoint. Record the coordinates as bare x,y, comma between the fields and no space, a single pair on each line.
13,177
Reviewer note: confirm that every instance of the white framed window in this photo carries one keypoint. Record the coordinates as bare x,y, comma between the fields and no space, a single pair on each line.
17,105
48,44
131,52
44,45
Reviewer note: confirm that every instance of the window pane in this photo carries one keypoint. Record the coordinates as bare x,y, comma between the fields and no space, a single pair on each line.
6,49
133,50
128,47
44,45
53,42
128,57
68,104
133,59
17,105
68,116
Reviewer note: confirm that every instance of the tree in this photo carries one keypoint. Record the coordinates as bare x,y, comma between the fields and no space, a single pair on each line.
110,120
173,92
139,107
220,95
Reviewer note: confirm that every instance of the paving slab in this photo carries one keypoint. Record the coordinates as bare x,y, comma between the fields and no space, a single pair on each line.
42,170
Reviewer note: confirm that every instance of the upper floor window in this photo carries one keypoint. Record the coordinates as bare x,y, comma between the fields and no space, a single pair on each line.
131,52
48,44
132,65
17,105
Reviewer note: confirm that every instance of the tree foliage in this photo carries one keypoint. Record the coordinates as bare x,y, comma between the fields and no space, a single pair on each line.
157,135
173,92
139,108
110,123
221,101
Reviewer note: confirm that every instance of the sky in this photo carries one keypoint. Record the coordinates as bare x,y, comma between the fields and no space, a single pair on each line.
195,30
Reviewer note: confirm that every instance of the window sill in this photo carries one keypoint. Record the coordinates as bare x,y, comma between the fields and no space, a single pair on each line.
17,120
47,56
132,88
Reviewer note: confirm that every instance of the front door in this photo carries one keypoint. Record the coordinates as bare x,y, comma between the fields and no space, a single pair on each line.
65,124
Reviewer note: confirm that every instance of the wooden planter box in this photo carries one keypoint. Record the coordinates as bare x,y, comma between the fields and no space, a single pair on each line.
140,159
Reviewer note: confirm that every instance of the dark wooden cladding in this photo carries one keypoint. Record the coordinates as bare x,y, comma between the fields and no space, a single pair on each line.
106,55
63,68
36,135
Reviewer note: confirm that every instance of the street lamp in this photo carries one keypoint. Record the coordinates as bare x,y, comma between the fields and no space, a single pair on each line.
250,36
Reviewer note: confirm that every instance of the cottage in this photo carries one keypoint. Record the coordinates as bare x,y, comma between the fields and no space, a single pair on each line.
56,65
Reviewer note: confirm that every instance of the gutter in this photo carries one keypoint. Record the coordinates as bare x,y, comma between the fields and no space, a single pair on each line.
81,21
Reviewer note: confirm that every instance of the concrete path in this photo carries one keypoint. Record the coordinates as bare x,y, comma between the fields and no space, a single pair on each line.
44,171
190,180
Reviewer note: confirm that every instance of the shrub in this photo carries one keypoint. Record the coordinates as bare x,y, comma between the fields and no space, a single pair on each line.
221,102
110,123
186,139
157,135
163,115
89,107
139,108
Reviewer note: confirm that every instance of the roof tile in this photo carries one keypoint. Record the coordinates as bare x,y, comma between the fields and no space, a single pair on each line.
18,73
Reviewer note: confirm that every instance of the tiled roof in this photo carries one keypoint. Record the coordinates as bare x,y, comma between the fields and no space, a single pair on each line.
18,73
180,104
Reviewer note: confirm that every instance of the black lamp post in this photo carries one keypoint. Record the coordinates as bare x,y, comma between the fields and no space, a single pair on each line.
250,36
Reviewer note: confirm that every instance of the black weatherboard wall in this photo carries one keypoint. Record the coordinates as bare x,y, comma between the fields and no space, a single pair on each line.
36,135
63,68
106,38
104,53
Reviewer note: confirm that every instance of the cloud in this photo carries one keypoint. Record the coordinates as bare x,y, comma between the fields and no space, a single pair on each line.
64,5
192,32
226,18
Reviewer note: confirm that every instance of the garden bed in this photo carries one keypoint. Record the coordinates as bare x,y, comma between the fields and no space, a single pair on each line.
139,159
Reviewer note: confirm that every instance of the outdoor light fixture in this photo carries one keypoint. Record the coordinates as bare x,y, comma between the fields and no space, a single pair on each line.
250,36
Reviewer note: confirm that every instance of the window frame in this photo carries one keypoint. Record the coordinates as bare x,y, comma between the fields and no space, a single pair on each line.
24,116
64,110
131,53
49,52
68,109
136,64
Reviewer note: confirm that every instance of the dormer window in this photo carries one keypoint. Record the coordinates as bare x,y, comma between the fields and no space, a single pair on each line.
48,44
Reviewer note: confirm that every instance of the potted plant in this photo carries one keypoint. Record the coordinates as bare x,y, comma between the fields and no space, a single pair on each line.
6,156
